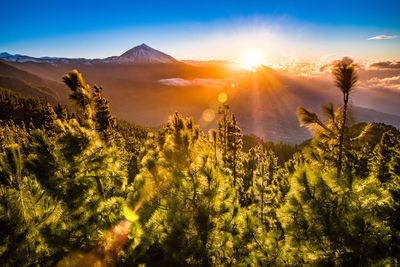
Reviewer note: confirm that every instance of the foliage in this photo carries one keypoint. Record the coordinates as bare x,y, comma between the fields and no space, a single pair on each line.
82,188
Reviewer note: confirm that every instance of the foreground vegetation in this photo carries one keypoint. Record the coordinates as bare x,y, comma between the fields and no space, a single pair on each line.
81,188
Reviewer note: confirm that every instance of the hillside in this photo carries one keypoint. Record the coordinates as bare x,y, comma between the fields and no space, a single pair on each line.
30,84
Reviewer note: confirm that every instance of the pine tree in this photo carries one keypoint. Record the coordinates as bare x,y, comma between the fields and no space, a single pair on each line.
230,141
11,134
328,222
325,143
25,209
264,178
81,94
266,189
50,118
384,152
82,174
345,79
197,220
233,148
223,130
214,141
385,165
62,112
11,171
105,122
249,168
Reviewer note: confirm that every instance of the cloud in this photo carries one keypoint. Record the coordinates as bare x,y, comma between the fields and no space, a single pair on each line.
380,37
391,83
330,65
385,65
175,82
179,82
323,66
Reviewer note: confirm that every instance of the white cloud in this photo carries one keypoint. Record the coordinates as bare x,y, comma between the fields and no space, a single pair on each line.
384,36
323,66
179,82
392,83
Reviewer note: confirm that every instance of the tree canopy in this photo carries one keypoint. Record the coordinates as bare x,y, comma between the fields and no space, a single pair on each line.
79,187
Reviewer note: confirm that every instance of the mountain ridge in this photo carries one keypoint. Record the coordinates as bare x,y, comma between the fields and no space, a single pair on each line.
138,54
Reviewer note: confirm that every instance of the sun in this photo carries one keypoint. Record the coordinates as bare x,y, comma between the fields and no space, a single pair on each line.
251,60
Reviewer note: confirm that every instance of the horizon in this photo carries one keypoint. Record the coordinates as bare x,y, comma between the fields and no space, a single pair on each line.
289,63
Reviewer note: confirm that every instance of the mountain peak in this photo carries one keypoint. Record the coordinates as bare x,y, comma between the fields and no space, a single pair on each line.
144,54
138,47
143,45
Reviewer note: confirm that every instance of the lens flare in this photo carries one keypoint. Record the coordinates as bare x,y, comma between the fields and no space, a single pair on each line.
208,115
129,214
222,97
104,253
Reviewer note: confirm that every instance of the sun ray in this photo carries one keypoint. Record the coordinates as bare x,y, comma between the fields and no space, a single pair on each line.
251,60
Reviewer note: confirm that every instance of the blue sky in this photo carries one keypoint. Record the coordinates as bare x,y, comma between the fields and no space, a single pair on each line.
201,29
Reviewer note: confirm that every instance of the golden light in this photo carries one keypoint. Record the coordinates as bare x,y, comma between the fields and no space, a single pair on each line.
129,214
222,97
208,115
233,85
251,60
105,252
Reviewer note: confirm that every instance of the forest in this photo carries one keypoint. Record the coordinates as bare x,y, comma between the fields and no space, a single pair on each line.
79,187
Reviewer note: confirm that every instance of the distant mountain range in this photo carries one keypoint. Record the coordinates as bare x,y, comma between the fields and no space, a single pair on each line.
138,54
145,86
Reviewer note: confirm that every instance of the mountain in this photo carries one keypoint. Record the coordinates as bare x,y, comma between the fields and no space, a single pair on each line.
18,58
141,54
138,54
29,84
371,115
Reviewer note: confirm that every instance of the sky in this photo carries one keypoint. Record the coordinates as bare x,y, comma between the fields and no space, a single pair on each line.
203,30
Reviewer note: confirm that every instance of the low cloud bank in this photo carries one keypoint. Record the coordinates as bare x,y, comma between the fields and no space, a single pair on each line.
179,82
392,83
385,65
